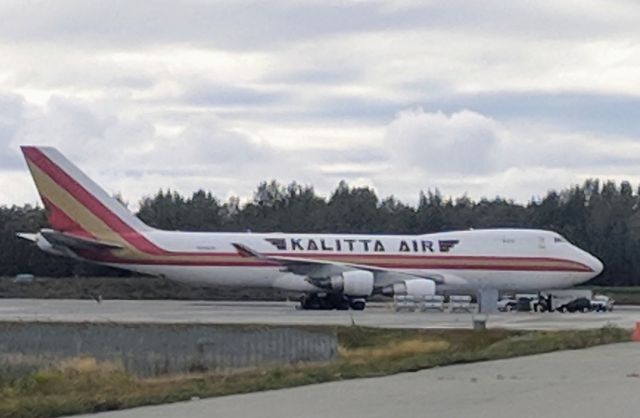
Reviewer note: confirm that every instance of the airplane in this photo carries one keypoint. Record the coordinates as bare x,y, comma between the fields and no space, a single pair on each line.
333,271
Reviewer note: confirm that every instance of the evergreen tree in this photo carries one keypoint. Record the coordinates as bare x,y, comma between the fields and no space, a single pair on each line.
602,218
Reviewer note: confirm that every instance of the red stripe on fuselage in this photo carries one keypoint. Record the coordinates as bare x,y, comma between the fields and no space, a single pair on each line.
442,263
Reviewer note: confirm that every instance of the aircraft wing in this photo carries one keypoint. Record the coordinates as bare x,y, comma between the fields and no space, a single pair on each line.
323,268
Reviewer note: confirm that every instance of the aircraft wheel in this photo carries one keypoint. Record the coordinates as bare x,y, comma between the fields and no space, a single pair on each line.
358,304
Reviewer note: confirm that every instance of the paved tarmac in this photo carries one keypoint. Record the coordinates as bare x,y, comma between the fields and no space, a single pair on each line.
597,382
285,313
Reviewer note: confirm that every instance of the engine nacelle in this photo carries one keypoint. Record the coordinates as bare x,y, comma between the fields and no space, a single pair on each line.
353,283
412,287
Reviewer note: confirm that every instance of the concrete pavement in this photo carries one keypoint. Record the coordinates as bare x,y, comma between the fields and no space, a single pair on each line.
591,383
285,313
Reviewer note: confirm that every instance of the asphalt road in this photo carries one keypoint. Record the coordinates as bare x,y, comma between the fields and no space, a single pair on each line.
380,315
597,382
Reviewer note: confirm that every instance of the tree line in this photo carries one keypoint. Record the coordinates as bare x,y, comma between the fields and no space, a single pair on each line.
600,217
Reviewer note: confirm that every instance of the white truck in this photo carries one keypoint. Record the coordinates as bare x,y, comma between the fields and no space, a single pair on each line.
601,303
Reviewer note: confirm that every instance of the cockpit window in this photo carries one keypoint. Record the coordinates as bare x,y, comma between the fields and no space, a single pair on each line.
559,239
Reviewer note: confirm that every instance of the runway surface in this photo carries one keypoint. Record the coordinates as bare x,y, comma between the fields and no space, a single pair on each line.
285,313
597,382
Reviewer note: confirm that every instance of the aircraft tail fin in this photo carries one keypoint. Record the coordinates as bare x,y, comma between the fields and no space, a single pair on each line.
73,202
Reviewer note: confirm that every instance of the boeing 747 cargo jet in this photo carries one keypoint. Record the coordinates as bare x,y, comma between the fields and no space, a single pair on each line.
332,270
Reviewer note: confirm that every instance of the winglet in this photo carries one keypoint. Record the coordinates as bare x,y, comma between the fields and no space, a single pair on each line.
247,252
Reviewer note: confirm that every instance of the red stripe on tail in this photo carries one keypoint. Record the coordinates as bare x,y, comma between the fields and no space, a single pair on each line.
89,201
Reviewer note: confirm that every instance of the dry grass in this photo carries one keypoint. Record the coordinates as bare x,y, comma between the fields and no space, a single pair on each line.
87,365
84,385
392,350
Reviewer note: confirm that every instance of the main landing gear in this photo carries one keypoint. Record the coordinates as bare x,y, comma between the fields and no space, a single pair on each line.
330,301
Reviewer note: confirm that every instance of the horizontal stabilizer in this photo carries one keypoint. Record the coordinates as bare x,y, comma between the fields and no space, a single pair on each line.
28,236
62,239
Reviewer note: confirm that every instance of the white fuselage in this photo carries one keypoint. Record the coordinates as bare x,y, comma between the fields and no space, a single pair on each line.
505,259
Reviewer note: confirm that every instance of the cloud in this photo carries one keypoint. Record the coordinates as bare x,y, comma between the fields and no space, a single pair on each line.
105,141
256,25
467,152
403,95
86,129
11,120
209,143
460,152
568,111
207,94
462,143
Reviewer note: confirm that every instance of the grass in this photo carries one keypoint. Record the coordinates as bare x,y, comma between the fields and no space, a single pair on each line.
136,288
83,385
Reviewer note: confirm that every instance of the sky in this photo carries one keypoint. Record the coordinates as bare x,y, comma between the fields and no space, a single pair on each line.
491,98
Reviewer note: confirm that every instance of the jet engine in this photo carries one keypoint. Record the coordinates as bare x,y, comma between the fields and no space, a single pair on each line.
412,287
353,283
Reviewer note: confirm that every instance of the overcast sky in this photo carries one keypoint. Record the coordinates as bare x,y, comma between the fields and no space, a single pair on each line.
508,98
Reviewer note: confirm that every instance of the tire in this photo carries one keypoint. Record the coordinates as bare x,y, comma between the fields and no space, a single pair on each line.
358,305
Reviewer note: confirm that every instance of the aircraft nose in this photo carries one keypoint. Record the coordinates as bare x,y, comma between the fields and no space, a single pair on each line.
596,265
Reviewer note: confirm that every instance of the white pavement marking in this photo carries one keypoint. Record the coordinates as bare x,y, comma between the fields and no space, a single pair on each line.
596,382
285,313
